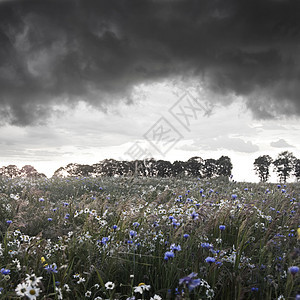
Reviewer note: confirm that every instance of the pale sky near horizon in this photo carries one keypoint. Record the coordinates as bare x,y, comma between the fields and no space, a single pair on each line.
81,81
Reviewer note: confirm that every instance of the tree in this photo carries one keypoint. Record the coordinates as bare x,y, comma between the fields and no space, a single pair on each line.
194,166
75,170
297,169
11,171
30,171
261,167
224,166
284,164
164,168
109,167
210,168
150,167
177,168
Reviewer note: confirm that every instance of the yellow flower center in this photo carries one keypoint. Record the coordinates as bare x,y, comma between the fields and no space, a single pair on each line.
32,292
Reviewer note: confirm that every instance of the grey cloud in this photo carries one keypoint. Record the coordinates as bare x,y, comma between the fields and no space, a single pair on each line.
54,52
281,143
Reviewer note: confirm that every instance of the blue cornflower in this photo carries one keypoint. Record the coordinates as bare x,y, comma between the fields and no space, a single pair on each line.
190,282
233,196
222,227
210,260
254,289
169,254
5,271
206,246
294,270
65,203
50,219
104,240
132,233
175,248
186,235
9,222
194,215
114,227
175,224
262,267
51,268
136,224
67,216
41,199
279,186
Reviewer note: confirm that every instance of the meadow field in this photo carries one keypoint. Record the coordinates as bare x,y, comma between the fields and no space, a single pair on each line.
148,238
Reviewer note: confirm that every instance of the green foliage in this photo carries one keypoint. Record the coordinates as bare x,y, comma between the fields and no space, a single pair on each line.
108,238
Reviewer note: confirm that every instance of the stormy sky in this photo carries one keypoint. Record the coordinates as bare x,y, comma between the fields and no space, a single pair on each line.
99,59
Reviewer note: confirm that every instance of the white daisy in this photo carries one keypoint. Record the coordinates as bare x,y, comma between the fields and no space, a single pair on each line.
109,285
21,289
32,292
156,297
33,280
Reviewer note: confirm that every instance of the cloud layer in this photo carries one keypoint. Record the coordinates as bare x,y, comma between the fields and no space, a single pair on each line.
54,52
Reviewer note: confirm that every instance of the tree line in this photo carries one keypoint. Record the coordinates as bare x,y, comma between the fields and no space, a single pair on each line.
27,171
195,166
285,165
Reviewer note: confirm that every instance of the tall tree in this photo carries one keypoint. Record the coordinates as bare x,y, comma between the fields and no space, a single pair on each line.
297,169
224,166
262,166
284,164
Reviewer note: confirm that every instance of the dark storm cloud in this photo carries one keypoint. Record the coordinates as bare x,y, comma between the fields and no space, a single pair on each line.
63,51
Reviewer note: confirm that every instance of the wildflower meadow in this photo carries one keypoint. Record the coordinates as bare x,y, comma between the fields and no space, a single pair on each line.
148,238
